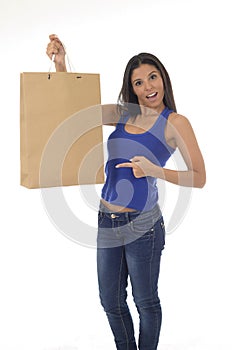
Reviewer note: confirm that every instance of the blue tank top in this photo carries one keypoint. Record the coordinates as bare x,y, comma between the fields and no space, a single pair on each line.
121,187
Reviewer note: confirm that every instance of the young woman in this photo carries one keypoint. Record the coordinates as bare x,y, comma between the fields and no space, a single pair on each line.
131,233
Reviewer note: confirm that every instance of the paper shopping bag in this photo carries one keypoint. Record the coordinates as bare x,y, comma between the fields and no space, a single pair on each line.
60,129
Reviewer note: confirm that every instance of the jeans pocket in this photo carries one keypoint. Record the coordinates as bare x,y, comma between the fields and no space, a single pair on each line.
160,233
142,224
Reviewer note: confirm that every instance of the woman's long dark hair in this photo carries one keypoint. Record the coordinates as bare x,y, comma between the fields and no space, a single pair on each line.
127,100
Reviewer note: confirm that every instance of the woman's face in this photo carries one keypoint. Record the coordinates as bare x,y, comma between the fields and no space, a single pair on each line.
148,86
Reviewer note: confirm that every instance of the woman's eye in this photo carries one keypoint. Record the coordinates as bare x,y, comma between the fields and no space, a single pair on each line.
138,83
153,76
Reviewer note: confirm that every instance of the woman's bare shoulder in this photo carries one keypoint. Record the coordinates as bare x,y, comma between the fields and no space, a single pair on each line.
176,118
178,121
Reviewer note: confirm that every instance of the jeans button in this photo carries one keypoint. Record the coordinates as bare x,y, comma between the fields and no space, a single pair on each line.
113,216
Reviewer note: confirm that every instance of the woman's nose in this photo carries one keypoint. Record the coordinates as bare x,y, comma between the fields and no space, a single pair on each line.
148,85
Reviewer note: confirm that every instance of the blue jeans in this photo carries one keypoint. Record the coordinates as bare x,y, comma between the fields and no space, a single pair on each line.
138,257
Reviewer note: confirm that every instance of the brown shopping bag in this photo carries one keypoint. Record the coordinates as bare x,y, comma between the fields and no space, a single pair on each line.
60,129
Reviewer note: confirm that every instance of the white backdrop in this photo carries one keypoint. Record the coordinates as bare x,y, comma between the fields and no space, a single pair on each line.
48,292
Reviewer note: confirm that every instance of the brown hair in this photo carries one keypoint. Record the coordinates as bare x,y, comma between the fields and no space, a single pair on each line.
127,100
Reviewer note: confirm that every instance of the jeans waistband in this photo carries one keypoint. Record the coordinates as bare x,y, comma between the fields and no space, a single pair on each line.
130,215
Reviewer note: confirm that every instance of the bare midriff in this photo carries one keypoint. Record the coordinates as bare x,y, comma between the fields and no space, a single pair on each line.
116,208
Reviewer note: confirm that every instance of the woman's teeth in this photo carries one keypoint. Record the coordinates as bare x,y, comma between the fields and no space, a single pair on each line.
152,95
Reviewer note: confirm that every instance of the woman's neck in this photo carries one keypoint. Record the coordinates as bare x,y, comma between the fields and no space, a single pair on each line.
149,112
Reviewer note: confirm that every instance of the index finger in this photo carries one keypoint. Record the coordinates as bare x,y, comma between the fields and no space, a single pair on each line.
124,165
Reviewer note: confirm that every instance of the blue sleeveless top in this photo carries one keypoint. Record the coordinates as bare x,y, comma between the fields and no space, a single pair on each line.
121,187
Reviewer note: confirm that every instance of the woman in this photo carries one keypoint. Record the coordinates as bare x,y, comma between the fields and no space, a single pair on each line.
131,233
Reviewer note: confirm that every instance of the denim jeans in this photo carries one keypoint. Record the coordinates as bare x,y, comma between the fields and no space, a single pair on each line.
137,257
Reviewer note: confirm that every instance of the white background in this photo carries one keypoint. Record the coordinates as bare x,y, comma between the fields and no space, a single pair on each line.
48,285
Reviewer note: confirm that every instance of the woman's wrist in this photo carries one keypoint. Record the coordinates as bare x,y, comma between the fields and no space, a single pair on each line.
60,67
156,171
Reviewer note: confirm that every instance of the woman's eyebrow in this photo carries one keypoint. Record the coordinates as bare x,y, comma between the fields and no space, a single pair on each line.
153,71
138,79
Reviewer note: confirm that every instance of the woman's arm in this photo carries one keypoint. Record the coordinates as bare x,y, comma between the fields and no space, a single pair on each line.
184,139
110,115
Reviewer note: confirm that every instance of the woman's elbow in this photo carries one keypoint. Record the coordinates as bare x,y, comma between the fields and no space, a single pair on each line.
200,180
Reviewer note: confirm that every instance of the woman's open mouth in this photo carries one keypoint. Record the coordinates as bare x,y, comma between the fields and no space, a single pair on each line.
152,96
